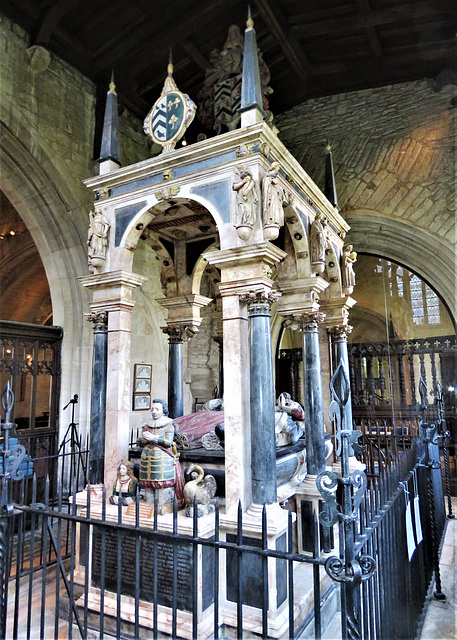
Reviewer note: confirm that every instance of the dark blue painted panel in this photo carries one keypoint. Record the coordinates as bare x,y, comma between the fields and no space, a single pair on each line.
123,218
137,184
204,164
218,194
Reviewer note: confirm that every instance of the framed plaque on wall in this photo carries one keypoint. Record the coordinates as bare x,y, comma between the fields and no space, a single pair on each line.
142,387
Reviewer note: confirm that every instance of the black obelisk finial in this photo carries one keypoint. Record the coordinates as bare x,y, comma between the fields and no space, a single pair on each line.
110,139
330,187
251,93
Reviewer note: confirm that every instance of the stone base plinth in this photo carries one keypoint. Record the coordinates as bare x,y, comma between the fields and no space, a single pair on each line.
309,503
143,559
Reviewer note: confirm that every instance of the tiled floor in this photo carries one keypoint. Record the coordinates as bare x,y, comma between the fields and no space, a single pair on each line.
441,618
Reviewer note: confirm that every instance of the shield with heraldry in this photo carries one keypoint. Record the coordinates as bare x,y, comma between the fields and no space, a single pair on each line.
166,120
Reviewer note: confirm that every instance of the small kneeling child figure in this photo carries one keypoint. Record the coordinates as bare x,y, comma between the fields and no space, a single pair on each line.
125,485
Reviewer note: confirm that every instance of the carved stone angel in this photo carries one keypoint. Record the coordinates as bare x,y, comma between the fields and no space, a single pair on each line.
318,243
97,240
274,199
247,202
348,274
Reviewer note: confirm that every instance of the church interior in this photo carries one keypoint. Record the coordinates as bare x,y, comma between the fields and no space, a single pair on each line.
241,222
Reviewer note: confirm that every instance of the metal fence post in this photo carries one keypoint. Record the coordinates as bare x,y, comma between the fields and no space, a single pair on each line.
10,469
429,435
443,434
348,569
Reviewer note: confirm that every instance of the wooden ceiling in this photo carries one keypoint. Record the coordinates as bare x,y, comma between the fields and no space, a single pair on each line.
312,47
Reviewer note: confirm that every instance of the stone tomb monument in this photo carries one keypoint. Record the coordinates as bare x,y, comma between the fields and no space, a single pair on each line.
220,180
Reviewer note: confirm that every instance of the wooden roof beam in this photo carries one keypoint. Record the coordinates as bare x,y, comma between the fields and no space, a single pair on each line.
195,54
302,28
135,47
373,37
51,19
274,19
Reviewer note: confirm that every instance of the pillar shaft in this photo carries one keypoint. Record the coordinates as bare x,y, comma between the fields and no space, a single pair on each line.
341,354
236,403
175,378
98,399
314,405
263,450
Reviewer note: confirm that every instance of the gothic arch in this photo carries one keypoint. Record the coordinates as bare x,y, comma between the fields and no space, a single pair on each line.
419,250
40,193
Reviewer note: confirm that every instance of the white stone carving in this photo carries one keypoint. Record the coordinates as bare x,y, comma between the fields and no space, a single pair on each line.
97,240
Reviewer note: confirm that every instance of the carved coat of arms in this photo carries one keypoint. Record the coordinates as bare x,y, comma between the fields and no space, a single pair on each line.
170,116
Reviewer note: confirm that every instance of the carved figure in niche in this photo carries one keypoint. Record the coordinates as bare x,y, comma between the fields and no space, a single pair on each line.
97,240
201,489
348,274
247,202
159,464
125,485
289,420
318,243
274,199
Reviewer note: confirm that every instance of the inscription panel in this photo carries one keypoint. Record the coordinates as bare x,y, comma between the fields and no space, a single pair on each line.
122,547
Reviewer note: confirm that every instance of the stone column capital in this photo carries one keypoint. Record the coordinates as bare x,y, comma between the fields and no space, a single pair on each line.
340,331
305,322
97,317
262,298
180,333
258,255
112,291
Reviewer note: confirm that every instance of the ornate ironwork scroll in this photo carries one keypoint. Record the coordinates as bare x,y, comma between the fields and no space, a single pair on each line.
15,455
349,569
428,431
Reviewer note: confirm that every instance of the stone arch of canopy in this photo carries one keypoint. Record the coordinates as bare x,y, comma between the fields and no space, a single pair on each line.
166,222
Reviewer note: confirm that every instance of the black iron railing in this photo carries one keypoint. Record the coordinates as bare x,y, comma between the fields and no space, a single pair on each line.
71,562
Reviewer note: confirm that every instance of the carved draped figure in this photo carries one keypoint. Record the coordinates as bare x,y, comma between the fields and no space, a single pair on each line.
318,239
273,198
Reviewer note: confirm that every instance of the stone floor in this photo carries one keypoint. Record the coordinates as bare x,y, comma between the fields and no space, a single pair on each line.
441,617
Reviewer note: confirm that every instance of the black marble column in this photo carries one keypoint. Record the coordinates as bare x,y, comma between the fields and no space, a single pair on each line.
314,404
263,441
175,373
340,345
98,398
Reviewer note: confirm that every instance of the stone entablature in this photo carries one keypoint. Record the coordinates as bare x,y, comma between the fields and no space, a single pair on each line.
131,197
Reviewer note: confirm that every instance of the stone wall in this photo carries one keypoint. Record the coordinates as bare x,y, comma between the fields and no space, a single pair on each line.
47,123
46,151
394,157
